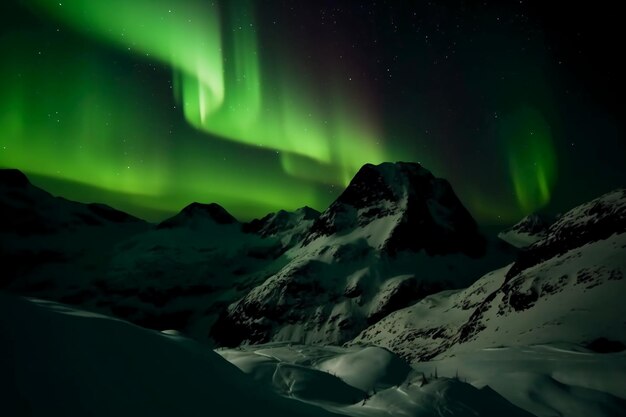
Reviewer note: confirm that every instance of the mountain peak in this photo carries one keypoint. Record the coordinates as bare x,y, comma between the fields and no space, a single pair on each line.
386,181
406,207
308,213
195,212
13,178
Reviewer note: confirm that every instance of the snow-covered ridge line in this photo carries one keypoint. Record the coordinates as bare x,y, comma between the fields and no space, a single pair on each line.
586,223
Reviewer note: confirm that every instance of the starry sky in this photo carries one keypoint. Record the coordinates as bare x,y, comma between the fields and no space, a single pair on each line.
264,105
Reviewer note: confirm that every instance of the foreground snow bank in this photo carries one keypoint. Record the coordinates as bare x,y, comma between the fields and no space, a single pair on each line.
369,382
546,380
58,361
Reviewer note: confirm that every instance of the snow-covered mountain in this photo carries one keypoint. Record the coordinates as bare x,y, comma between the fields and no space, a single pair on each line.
566,287
27,210
527,231
395,235
397,207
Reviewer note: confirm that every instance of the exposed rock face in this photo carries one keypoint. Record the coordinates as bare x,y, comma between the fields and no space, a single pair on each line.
426,213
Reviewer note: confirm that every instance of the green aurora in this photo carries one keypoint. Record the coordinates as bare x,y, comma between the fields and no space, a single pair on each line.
262,131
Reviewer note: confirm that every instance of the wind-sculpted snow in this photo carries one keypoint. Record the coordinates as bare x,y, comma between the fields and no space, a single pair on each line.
369,382
559,379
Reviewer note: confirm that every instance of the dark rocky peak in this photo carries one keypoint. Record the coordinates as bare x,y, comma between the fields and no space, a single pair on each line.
373,184
420,211
195,213
13,178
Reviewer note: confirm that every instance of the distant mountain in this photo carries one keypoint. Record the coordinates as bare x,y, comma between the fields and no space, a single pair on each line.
395,235
568,286
527,231
30,211
43,237
288,227
178,274
195,215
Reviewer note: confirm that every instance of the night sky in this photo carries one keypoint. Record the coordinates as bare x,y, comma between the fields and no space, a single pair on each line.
148,105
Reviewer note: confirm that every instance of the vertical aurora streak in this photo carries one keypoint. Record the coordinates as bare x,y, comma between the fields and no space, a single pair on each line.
531,157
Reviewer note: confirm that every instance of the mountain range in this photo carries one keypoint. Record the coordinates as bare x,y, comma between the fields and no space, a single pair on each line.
395,264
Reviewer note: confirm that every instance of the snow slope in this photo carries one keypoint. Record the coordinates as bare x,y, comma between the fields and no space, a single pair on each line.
419,332
545,380
574,296
58,361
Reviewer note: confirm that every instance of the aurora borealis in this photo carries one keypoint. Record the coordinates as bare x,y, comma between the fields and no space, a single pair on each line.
149,105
